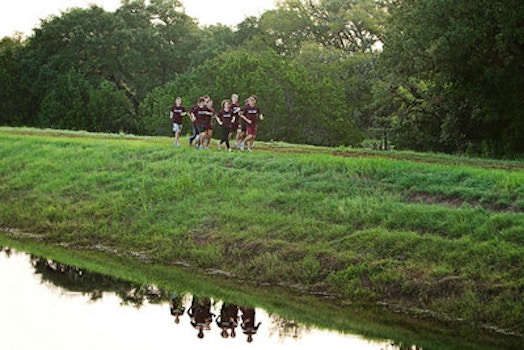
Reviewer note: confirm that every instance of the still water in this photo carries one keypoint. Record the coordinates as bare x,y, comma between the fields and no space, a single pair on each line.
46,305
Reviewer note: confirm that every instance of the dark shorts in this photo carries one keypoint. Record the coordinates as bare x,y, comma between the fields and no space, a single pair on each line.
200,128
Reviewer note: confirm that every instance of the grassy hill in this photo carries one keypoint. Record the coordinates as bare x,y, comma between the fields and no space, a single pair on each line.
426,233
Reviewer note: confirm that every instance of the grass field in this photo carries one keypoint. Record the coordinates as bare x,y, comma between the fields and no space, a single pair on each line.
420,232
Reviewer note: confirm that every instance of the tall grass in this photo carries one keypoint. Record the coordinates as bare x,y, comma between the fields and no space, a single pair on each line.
419,231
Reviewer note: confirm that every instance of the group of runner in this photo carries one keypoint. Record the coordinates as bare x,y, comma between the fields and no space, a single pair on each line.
231,117
201,317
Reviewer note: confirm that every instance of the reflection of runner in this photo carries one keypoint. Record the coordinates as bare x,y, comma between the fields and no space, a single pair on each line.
177,309
201,315
248,323
228,319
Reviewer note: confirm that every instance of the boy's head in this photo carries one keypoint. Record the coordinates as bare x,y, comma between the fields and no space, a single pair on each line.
226,103
252,100
201,101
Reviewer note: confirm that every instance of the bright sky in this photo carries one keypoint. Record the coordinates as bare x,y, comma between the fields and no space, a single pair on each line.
24,15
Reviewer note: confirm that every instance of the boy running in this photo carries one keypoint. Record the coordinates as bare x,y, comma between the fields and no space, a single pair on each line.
226,118
236,124
250,114
175,114
200,116
209,125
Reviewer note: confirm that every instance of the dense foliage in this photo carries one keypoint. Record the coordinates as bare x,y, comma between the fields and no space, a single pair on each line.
432,75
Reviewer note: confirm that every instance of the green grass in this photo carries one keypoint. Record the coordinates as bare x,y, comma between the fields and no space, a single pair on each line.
421,232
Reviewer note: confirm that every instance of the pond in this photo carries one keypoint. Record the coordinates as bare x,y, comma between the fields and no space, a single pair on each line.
48,305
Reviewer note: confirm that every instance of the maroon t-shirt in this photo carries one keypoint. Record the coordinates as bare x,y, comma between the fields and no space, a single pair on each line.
209,120
202,115
192,112
226,118
177,114
251,113
236,113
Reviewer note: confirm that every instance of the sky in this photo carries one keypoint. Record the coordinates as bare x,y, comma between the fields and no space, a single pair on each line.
24,15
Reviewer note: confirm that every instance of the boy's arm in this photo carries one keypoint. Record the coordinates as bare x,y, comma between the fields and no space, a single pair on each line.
247,120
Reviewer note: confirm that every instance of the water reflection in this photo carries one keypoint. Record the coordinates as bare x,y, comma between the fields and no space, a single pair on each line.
248,323
64,307
77,280
201,315
200,310
228,320
177,308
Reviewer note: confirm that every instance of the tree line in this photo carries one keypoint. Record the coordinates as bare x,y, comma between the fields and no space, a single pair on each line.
434,75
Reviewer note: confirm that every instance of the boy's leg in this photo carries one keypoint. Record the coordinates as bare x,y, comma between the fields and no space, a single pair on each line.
245,141
177,135
202,137
193,135
239,137
209,136
225,137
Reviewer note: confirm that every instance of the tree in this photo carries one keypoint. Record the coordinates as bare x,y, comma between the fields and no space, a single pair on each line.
89,41
14,97
110,110
336,42
353,26
162,40
63,106
137,48
247,30
212,40
473,52
284,31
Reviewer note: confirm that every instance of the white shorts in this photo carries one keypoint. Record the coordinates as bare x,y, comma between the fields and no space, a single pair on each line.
177,127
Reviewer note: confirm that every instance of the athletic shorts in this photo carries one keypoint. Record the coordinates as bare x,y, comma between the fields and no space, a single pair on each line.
200,128
177,127
251,129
